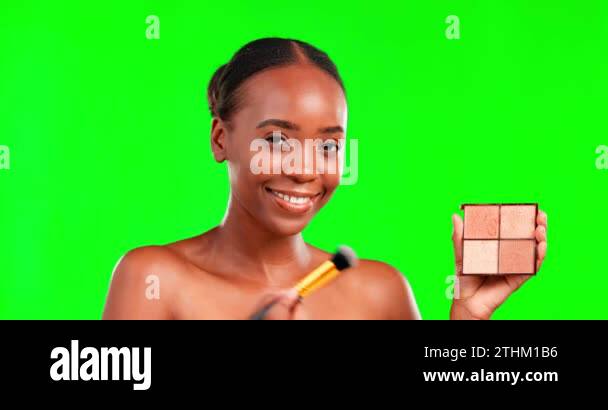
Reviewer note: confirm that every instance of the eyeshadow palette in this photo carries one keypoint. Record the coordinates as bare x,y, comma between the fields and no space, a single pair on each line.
499,239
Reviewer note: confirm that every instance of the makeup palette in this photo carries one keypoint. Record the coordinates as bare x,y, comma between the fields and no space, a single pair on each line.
499,239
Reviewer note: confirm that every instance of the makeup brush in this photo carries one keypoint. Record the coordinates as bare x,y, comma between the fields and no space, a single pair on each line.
344,258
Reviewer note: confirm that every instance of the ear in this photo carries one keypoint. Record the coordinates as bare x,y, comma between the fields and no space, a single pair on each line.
218,139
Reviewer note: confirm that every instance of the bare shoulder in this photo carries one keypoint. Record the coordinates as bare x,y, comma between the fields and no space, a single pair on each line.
384,289
147,260
377,286
143,284
166,260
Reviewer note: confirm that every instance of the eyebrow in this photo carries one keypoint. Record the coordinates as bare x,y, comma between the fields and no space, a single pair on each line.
288,125
331,130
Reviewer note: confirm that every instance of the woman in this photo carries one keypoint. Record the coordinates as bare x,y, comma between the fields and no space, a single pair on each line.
281,91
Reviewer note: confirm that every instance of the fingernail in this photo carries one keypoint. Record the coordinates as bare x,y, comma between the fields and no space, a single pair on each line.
292,293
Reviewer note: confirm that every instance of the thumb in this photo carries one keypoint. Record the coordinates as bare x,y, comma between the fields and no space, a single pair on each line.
457,234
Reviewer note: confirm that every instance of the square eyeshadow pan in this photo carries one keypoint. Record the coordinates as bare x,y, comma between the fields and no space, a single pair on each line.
499,239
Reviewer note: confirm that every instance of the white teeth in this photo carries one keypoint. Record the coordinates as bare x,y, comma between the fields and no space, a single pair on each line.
292,199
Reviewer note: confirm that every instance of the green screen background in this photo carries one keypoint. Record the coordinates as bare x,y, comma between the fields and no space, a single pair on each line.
109,143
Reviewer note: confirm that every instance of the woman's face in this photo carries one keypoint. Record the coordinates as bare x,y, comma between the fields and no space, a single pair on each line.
301,112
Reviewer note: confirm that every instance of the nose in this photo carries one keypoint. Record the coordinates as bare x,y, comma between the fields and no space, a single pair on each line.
303,170
302,178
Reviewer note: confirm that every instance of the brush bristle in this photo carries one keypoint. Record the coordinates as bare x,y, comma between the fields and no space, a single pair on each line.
345,258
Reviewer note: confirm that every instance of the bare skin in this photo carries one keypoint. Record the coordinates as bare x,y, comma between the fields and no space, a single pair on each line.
190,291
257,254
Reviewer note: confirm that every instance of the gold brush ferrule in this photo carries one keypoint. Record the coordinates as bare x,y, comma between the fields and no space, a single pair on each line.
317,278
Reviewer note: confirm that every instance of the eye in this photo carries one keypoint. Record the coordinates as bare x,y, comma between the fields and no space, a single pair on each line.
277,140
330,146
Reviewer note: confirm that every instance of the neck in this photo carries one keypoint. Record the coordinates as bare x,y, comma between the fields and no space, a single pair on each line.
258,253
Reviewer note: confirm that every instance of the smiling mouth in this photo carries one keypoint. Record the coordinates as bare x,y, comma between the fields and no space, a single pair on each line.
293,201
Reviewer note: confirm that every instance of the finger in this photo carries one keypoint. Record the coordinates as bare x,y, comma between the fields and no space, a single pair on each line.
265,304
541,219
283,307
467,285
457,233
541,233
516,281
541,252
300,314
496,290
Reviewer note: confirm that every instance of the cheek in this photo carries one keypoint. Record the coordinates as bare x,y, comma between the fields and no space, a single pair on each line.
330,182
240,167
331,174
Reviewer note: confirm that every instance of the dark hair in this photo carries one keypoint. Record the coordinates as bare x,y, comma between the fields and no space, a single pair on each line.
253,57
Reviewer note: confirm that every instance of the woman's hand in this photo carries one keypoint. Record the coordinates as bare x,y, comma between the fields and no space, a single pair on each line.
477,297
278,306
